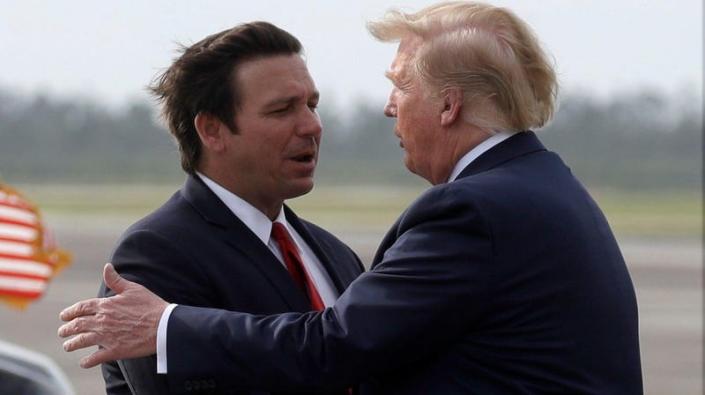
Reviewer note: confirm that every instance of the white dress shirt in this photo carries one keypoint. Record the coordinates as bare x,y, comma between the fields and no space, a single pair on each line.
261,226
479,149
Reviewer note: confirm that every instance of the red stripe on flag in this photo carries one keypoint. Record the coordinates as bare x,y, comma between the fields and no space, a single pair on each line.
15,240
22,275
32,225
21,294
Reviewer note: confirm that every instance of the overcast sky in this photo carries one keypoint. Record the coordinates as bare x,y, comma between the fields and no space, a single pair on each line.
110,50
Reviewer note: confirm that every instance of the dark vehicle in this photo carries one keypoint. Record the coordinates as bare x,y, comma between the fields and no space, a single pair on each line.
25,372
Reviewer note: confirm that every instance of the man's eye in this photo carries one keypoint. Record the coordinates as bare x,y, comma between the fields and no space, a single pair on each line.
313,106
281,110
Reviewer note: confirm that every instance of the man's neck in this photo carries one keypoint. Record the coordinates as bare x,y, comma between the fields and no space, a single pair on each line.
269,208
459,142
476,151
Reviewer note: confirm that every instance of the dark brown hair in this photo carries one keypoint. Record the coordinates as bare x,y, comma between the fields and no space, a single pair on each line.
202,80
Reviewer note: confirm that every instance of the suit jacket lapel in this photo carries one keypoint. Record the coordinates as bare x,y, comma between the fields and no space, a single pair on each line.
340,280
237,235
520,144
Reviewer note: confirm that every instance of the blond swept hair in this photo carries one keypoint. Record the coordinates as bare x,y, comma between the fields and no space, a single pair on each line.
486,51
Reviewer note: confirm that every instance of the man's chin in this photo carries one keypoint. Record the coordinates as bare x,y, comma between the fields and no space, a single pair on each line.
409,164
300,187
413,169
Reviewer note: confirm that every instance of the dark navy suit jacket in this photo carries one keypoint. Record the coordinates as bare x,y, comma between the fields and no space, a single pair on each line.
506,281
194,250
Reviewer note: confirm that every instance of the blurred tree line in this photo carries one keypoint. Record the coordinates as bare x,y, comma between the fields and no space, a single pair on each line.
639,140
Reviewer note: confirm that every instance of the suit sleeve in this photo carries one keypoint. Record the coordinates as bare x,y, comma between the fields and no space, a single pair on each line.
427,291
149,259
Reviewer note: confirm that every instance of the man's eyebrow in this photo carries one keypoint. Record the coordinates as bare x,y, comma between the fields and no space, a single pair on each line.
281,100
290,99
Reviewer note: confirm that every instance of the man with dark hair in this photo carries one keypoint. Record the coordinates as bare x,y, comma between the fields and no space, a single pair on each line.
242,107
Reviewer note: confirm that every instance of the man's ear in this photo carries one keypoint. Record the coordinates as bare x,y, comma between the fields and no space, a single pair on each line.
452,106
210,131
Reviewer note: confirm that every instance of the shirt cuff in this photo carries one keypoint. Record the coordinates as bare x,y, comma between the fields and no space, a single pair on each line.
161,339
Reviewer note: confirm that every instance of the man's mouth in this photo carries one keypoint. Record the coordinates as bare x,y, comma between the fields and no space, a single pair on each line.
304,157
401,143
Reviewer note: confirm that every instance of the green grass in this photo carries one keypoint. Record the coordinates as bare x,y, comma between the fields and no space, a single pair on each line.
359,207
97,199
665,213
673,213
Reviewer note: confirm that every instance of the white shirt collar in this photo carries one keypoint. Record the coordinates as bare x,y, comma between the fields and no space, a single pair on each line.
254,219
479,149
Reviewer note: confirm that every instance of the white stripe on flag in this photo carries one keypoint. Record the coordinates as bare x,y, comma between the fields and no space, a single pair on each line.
19,249
18,214
21,284
18,232
25,267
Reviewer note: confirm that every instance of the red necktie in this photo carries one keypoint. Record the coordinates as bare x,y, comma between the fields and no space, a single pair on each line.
295,265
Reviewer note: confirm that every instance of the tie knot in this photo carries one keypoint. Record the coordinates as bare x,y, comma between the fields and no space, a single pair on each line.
279,232
283,238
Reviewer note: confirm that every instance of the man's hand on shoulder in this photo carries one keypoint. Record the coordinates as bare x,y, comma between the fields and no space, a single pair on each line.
123,326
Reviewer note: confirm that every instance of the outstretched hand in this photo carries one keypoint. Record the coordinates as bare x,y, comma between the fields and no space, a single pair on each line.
123,326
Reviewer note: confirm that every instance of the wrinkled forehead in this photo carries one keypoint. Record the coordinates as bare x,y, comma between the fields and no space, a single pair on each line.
408,48
406,54
409,44
404,61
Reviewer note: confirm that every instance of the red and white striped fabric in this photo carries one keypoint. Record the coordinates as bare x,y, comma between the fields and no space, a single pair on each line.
28,256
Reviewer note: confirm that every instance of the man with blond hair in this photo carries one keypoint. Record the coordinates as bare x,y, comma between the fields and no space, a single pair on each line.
503,278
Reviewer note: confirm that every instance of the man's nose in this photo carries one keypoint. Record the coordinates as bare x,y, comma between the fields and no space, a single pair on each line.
310,124
390,109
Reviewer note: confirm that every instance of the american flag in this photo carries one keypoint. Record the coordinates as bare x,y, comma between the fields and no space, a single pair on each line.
29,257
